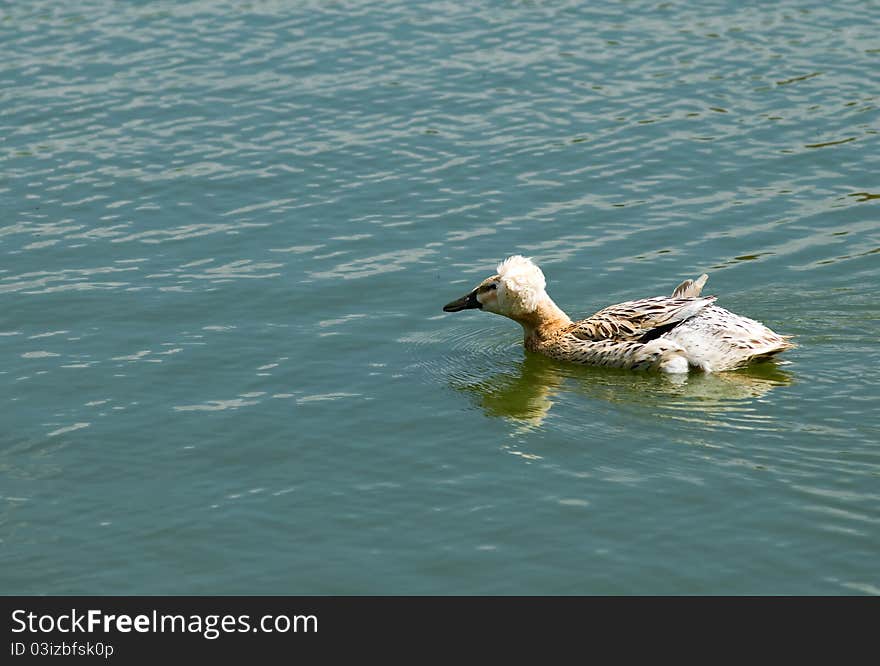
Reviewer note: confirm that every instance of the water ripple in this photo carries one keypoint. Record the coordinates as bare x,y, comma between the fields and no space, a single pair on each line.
229,230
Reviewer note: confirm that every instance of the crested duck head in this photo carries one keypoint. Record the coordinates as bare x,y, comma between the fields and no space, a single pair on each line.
517,290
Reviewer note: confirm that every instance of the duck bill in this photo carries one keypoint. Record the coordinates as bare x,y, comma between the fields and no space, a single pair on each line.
466,302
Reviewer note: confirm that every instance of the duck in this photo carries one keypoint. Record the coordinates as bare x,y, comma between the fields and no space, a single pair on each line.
671,334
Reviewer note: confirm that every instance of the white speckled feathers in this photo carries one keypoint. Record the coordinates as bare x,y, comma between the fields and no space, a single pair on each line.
718,339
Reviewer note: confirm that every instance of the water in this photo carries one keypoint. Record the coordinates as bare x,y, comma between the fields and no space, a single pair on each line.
228,230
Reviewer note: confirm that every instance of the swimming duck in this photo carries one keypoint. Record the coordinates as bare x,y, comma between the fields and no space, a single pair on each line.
666,333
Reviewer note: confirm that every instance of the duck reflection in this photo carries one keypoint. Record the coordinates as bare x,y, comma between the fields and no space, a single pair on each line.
526,393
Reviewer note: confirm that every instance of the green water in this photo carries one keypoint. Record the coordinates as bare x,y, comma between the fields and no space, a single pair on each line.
228,231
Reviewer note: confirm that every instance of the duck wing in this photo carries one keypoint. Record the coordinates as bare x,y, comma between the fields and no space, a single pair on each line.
638,321
690,288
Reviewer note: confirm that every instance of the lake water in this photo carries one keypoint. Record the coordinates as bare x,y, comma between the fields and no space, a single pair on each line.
228,230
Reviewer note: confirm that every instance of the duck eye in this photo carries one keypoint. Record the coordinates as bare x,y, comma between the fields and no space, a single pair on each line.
492,286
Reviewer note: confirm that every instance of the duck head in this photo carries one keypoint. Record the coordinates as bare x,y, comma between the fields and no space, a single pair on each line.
517,290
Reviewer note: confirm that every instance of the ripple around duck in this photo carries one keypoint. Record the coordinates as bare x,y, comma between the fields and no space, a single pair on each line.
459,353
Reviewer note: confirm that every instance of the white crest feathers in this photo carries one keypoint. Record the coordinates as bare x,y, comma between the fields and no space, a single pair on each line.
523,281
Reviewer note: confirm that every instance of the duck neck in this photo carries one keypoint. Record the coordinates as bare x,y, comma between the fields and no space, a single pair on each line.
543,322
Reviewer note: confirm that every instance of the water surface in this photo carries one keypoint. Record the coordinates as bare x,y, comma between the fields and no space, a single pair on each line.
228,230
